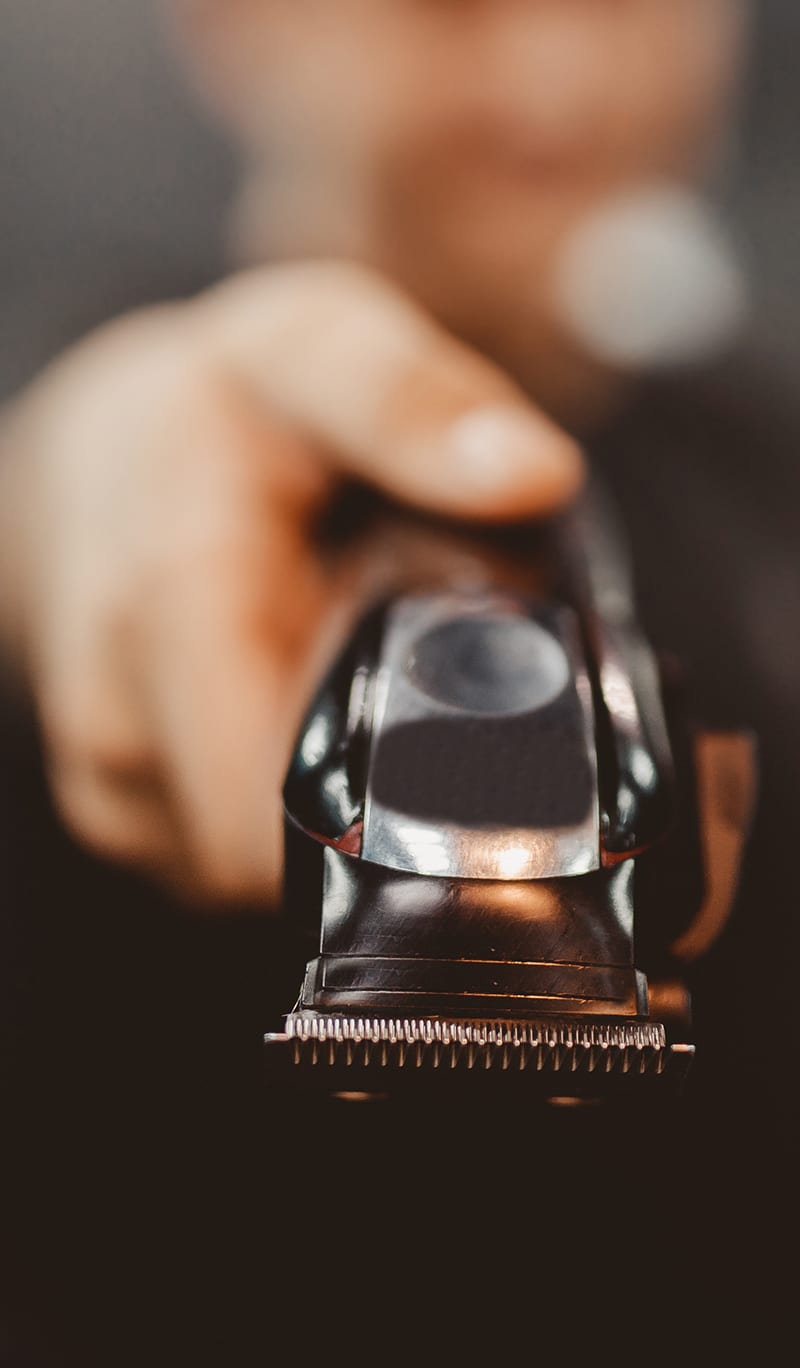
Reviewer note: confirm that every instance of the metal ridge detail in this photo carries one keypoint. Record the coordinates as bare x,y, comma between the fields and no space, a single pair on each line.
373,1046
637,1035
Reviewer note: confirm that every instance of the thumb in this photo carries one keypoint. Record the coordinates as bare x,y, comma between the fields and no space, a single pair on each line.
387,395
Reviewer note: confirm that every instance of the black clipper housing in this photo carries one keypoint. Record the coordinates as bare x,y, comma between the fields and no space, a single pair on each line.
492,841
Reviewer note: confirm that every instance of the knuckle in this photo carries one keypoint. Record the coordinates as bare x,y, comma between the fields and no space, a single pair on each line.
320,280
67,730
96,820
76,734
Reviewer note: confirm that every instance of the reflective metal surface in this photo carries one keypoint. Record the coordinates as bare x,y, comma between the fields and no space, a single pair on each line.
638,793
482,762
492,840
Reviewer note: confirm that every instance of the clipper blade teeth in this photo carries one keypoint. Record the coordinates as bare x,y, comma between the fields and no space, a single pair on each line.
584,1051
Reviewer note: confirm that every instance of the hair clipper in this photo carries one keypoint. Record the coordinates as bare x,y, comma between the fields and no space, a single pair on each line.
496,821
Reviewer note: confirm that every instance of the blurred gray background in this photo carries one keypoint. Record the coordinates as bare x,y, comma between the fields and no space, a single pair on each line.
113,186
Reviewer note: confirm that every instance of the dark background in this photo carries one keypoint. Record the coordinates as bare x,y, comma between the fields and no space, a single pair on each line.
113,186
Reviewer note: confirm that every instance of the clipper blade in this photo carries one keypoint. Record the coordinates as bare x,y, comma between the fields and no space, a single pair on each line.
367,1054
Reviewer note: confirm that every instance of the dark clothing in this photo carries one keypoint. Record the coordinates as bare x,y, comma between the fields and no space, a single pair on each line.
160,1207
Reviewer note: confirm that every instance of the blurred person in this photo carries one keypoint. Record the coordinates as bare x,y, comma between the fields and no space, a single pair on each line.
472,257
415,176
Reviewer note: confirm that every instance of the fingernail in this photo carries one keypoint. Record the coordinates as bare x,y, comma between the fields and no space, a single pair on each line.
498,445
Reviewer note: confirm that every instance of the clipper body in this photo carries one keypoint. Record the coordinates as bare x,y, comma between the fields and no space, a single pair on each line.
491,840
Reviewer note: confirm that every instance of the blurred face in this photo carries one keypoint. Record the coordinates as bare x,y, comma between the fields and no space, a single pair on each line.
456,143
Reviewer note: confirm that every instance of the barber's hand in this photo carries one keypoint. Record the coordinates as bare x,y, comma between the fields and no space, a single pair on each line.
159,579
